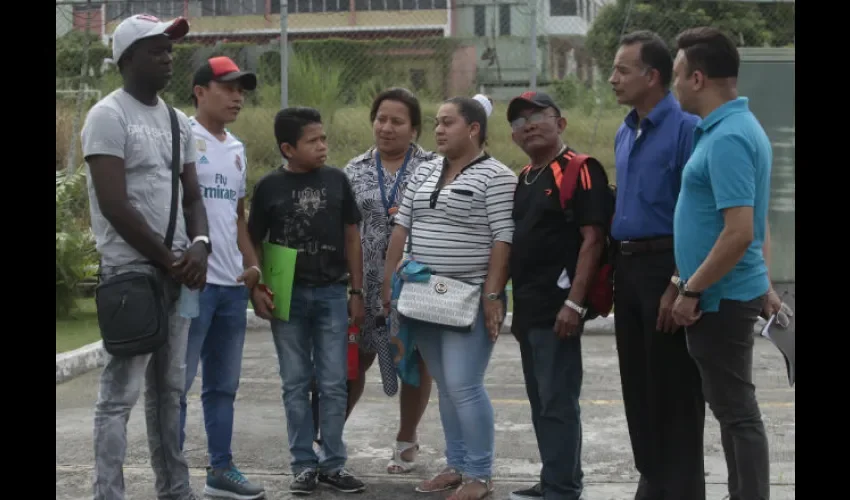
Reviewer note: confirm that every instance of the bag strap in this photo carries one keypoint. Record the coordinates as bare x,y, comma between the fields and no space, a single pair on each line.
567,187
175,176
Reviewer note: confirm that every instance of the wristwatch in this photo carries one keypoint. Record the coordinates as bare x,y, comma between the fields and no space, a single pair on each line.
575,307
355,291
684,291
492,296
205,240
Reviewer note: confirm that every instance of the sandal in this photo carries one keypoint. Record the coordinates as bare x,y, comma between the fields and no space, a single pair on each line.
488,489
398,465
447,479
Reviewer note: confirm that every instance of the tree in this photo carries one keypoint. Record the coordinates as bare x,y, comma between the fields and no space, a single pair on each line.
750,24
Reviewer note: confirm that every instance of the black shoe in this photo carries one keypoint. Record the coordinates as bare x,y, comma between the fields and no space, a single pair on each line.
304,482
532,493
343,481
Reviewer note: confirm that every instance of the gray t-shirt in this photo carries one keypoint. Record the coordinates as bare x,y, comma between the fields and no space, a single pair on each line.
119,125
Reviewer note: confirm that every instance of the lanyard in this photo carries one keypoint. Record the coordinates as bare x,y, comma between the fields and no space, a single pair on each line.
388,203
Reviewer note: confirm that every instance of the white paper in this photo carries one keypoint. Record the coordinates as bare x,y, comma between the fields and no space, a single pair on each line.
564,280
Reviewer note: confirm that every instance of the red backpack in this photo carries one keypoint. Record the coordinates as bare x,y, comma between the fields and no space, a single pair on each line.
600,294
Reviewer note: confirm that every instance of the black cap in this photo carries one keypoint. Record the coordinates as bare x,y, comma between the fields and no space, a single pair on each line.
534,99
223,69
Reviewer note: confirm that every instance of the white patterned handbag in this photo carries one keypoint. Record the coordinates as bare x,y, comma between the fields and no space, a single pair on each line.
441,301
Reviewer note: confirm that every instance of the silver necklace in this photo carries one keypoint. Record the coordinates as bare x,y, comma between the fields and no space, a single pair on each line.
541,169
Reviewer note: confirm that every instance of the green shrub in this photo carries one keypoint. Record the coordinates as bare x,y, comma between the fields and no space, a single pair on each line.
76,259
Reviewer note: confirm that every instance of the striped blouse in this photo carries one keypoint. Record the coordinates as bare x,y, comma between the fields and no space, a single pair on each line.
454,238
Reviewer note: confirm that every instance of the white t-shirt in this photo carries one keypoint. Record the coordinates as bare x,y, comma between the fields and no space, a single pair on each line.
222,170
119,125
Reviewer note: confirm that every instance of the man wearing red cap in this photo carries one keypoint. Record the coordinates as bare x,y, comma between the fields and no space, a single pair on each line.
127,144
217,334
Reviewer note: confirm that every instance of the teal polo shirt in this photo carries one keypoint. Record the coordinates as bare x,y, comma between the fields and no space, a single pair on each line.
729,167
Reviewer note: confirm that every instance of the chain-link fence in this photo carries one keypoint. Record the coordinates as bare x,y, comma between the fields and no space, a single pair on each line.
342,52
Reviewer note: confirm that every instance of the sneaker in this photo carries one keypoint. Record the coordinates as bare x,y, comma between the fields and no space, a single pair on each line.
532,493
230,483
343,481
304,482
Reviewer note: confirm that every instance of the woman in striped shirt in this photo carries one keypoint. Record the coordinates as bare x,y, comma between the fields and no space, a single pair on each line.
459,208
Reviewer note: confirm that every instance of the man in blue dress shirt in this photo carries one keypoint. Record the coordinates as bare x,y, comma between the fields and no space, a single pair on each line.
720,228
661,386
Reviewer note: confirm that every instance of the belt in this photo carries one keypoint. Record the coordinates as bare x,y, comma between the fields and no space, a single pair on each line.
634,247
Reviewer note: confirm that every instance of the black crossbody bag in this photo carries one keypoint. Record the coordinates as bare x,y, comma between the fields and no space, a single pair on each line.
132,309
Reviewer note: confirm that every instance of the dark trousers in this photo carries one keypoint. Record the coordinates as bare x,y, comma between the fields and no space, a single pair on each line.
552,369
662,395
722,345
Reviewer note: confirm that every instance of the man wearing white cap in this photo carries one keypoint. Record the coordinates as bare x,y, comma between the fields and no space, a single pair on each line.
127,144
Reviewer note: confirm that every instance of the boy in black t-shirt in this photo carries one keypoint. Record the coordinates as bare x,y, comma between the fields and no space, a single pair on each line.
310,207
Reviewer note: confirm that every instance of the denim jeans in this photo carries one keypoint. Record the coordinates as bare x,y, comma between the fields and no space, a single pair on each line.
314,342
162,374
552,368
457,362
216,339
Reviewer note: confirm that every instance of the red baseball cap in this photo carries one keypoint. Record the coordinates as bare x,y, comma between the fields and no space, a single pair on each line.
532,99
223,69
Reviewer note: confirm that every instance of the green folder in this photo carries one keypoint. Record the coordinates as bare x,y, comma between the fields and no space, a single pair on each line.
278,273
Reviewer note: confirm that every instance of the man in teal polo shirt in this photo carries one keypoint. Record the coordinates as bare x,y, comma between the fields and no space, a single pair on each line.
720,228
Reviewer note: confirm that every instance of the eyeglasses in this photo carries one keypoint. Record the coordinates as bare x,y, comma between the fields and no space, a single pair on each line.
534,118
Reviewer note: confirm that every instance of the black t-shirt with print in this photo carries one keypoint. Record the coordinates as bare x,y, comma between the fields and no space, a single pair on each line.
308,212
546,241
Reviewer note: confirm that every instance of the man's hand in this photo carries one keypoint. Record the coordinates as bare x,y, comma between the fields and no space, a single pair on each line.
665,322
191,268
250,277
356,309
772,304
493,313
567,322
261,299
686,310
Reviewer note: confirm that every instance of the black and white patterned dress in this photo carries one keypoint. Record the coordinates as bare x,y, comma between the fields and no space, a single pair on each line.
375,235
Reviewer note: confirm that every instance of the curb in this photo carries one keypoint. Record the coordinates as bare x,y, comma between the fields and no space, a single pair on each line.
73,363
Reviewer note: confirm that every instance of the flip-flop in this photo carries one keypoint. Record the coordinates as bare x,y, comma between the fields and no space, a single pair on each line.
487,484
398,465
445,487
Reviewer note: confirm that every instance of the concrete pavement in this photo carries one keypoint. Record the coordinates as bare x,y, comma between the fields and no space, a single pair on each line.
260,448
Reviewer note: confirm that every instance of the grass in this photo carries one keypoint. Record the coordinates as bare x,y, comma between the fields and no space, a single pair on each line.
350,134
78,330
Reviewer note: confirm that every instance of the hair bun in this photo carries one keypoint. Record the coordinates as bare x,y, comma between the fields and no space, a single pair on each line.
485,102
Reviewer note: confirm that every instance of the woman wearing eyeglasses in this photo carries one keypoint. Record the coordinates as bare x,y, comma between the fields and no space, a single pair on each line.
459,209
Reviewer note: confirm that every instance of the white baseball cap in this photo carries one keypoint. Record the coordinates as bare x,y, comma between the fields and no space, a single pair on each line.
141,26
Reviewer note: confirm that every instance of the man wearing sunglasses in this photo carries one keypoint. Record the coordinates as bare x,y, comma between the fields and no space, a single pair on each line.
555,254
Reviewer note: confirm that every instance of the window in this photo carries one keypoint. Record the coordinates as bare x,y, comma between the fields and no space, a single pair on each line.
274,7
336,5
480,22
441,4
505,19
563,7
377,5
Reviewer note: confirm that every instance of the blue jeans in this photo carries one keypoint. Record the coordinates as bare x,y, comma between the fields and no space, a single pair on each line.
553,372
314,342
457,362
216,338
